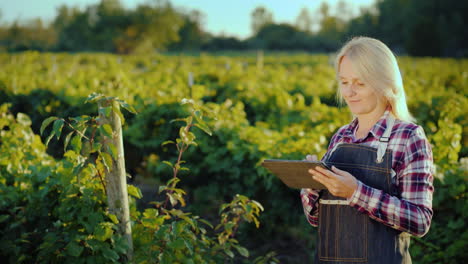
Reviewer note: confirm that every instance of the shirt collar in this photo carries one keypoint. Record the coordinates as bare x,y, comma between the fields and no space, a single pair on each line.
379,128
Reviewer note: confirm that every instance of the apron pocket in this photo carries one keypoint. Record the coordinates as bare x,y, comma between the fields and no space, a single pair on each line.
342,234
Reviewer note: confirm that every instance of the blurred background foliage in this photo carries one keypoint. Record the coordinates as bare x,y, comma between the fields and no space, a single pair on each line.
284,108
416,28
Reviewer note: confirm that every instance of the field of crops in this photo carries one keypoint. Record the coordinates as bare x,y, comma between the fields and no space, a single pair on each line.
276,106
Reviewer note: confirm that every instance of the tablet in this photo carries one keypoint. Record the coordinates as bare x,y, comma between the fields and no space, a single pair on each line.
294,173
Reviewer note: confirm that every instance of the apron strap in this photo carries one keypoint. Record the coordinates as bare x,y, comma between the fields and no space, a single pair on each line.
385,138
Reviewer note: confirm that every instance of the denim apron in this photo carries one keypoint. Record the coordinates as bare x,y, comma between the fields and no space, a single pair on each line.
348,236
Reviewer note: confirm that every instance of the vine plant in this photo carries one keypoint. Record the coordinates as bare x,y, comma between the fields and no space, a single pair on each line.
166,233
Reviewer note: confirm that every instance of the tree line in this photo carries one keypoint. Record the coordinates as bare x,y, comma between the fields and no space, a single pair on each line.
417,28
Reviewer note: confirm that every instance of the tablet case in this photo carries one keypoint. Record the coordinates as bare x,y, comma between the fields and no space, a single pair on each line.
294,173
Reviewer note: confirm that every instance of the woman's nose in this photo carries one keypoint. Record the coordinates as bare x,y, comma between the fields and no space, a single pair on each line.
348,90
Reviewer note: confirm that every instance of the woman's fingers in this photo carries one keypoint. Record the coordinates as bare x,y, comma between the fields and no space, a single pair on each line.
320,174
327,178
341,173
338,171
320,171
323,179
338,182
326,172
311,157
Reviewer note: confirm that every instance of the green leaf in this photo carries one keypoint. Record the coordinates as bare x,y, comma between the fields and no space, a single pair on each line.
49,137
120,245
180,198
107,160
105,111
113,151
106,130
58,125
206,222
223,207
188,220
47,123
168,163
162,188
76,143
67,140
229,252
150,213
259,205
172,198
177,244
126,106
189,120
243,251
178,119
94,218
113,218
189,246
103,231
173,181
167,142
110,254
257,223
78,167
74,249
204,128
83,118
186,136
93,244
93,97
96,147
134,191
201,123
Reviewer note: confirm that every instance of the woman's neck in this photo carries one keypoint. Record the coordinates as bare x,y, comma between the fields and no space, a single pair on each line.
367,121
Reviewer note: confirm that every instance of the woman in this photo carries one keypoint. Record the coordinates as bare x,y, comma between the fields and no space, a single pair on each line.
379,191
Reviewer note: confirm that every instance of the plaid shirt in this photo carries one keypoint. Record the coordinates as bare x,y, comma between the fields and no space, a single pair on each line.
412,170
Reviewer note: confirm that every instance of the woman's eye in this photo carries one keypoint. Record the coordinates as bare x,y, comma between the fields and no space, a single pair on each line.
344,83
360,84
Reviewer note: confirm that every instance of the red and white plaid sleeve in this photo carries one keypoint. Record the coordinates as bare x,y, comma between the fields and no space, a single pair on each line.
412,212
309,199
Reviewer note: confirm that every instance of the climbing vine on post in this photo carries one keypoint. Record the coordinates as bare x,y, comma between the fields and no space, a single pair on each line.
99,140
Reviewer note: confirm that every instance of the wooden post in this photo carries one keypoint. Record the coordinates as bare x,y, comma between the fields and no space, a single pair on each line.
190,84
259,60
116,182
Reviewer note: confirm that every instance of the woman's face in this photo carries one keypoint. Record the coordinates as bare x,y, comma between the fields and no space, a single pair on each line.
359,96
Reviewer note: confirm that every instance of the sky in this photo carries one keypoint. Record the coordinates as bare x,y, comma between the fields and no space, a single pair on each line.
231,18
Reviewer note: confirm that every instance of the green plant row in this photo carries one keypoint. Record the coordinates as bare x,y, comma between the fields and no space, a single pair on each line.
56,212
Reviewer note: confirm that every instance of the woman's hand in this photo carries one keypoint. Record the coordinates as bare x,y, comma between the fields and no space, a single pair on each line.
311,158
338,182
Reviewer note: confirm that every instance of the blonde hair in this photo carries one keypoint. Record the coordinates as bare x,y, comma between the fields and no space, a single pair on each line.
376,65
